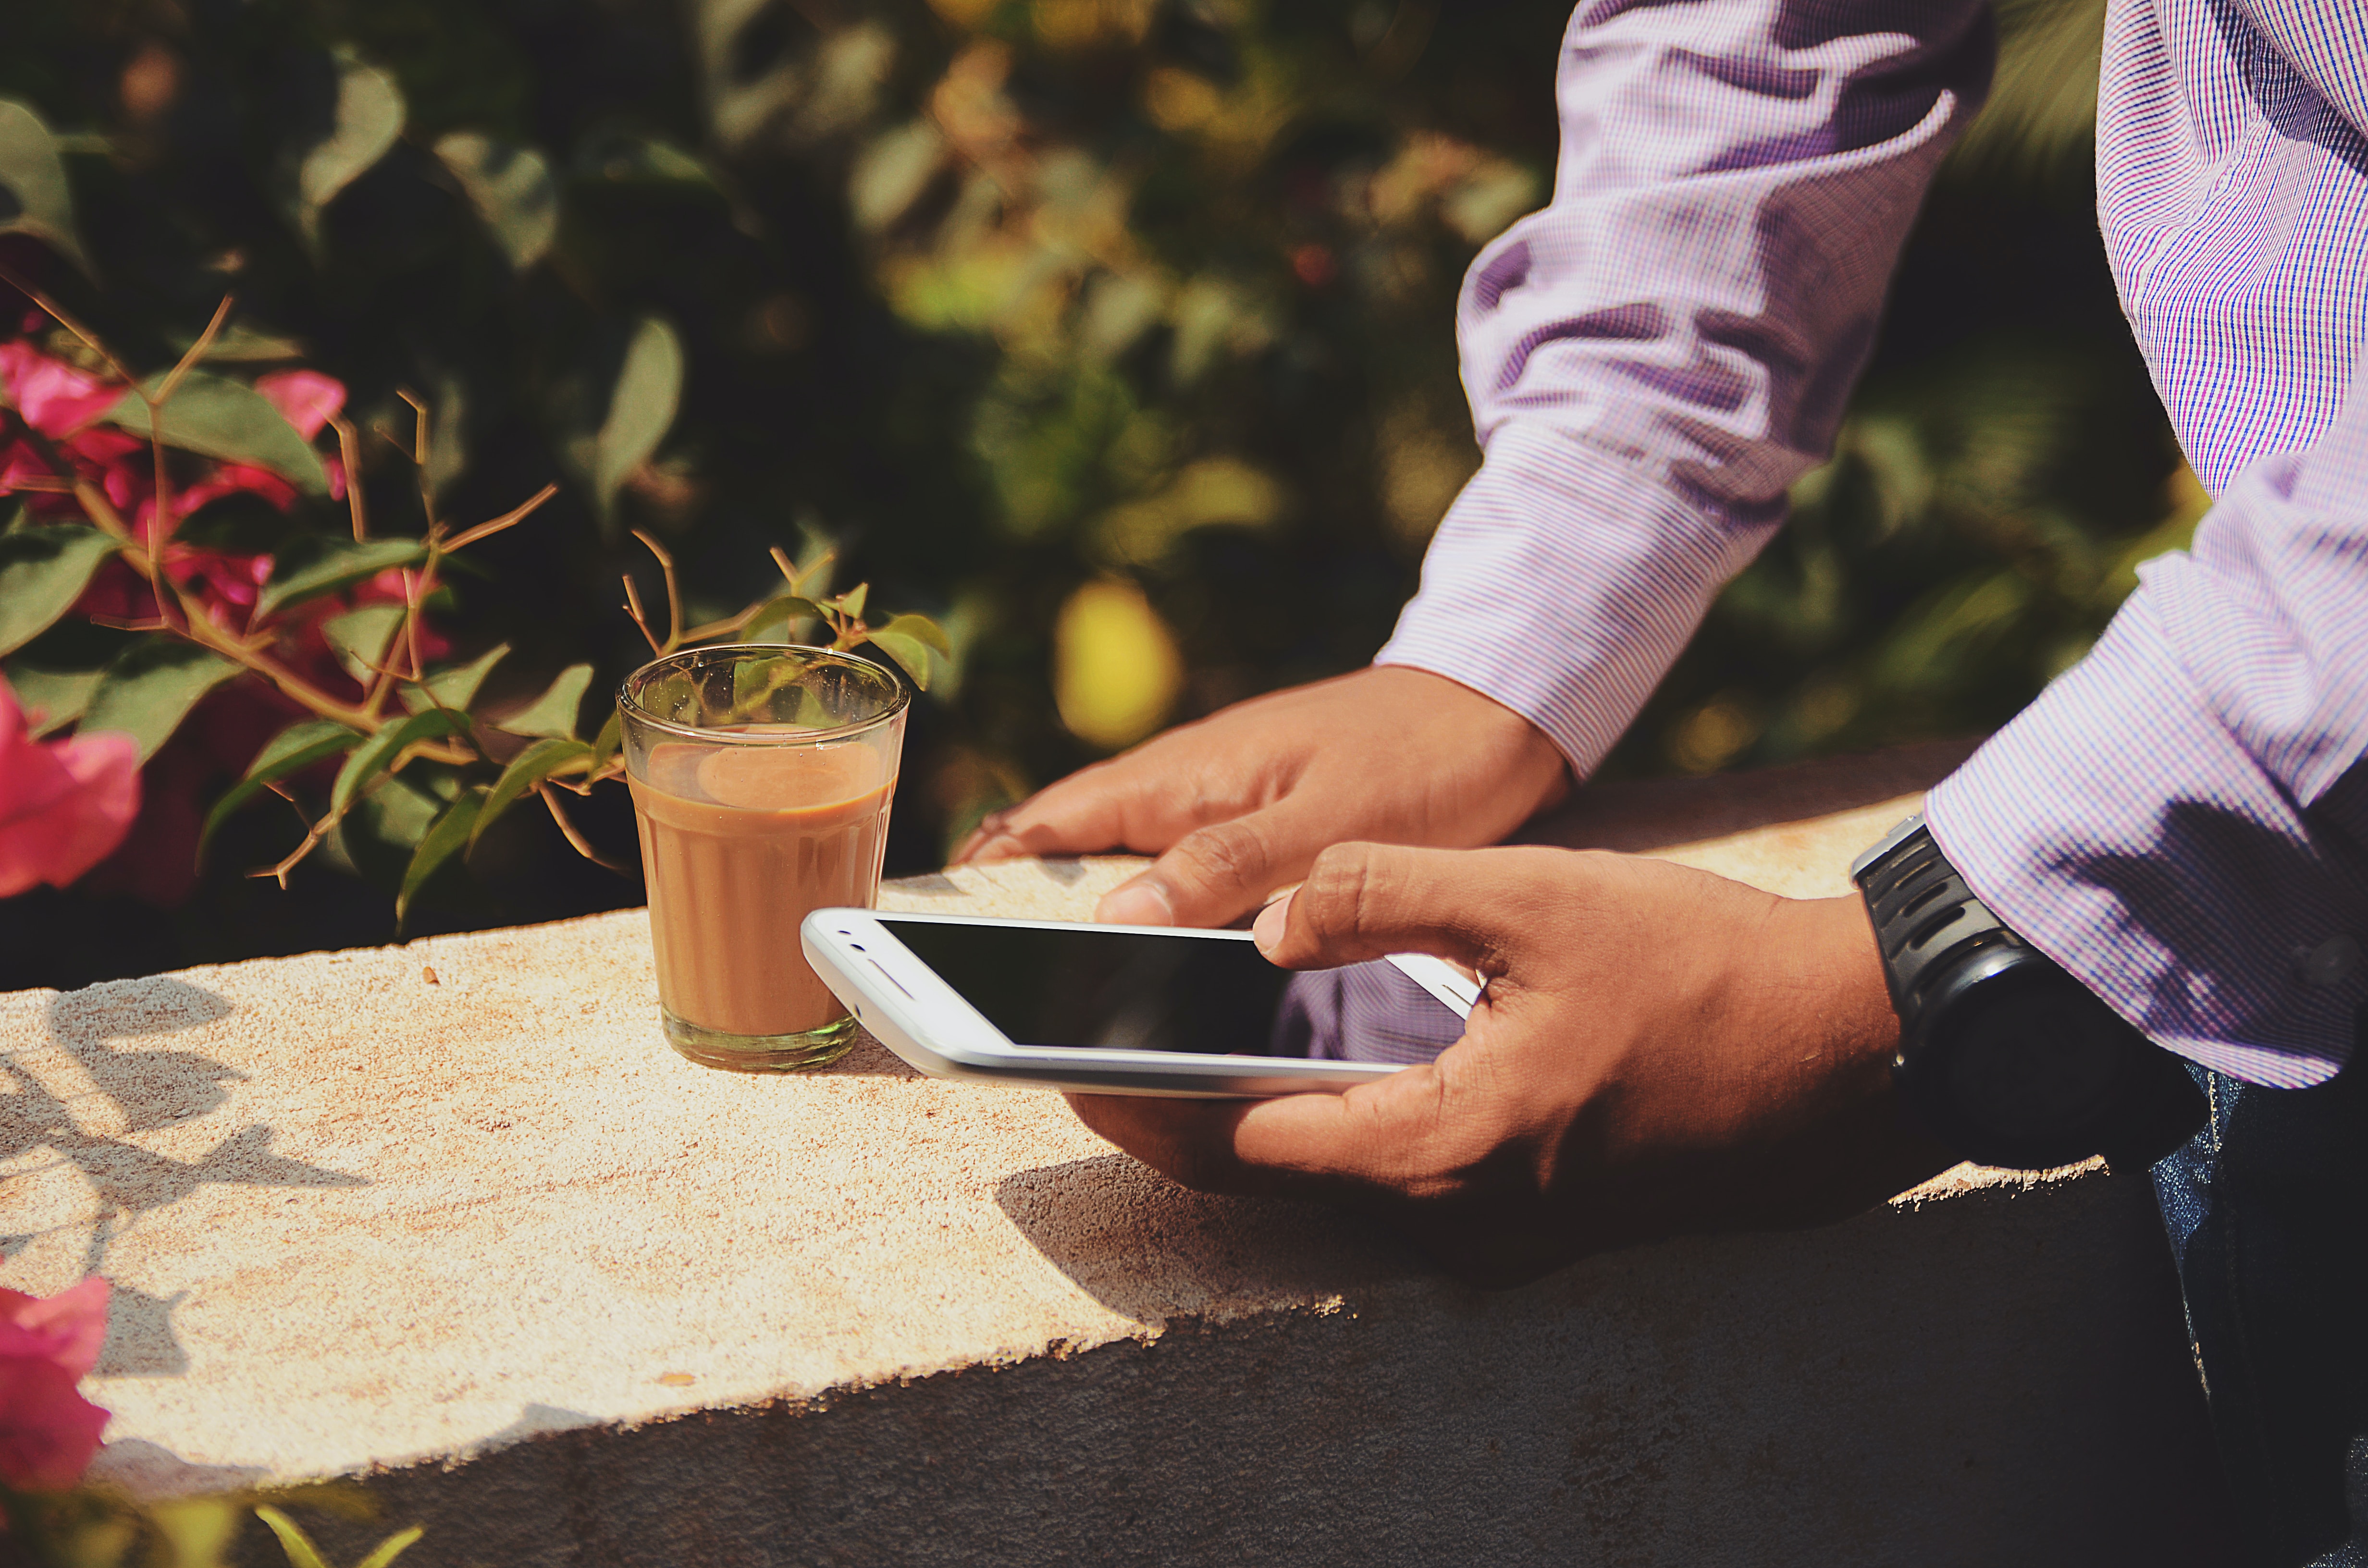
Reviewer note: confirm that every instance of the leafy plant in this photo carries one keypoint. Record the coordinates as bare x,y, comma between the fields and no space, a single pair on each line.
91,1527
302,1553
411,739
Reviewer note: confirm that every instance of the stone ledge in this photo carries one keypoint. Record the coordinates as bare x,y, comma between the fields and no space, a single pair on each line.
450,1216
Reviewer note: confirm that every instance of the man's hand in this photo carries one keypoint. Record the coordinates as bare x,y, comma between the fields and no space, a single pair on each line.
1658,1050
1241,802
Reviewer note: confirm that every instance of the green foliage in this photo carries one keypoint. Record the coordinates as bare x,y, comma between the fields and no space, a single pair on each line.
552,714
363,126
150,688
911,640
293,749
456,687
90,1528
42,572
33,177
302,1553
512,189
527,770
380,752
228,419
453,830
56,697
305,577
641,408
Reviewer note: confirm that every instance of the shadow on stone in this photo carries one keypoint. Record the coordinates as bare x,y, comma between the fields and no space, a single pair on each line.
866,1058
536,1421
151,1087
141,1342
1150,1250
145,1090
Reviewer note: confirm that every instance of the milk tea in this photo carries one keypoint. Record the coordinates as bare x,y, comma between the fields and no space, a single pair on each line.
739,843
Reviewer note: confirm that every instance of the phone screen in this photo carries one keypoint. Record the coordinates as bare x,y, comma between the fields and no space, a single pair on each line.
1134,991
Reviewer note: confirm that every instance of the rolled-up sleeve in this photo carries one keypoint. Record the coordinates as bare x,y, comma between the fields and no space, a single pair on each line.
1656,356
2181,819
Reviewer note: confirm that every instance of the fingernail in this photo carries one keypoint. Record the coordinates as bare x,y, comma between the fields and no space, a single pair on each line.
1136,904
1267,929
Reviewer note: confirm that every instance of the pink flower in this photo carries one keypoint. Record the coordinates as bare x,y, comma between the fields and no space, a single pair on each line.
56,398
63,805
48,1431
306,399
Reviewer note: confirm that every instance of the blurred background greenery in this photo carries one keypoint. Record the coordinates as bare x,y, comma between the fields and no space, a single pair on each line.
1117,334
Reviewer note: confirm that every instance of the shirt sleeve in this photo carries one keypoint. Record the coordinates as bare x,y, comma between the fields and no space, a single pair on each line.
1656,356
2181,819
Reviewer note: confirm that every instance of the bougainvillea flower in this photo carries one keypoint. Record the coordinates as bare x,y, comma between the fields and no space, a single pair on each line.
48,1431
63,805
306,399
56,398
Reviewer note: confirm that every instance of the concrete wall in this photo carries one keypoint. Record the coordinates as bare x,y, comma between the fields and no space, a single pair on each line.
449,1221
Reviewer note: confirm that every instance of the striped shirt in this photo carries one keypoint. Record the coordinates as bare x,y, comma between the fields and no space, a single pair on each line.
1656,356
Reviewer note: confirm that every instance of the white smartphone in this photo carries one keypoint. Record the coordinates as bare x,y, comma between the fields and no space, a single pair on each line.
1110,1009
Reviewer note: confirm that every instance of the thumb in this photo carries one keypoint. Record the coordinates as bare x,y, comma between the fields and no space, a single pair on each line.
1365,901
1217,873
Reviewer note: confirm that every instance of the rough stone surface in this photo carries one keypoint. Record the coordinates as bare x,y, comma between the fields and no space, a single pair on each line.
451,1217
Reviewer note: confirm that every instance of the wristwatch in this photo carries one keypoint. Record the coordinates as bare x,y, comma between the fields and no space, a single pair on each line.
2003,1054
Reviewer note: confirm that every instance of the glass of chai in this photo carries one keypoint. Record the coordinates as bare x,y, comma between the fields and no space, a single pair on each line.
761,780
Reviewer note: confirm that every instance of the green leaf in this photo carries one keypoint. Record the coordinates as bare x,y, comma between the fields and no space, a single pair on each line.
449,831
150,688
754,681
908,651
339,566
921,629
222,418
552,713
239,345
301,1553
34,178
293,749
527,769
385,825
641,409
850,603
362,637
609,742
512,190
456,687
42,572
59,696
369,118
376,755
393,1546
772,623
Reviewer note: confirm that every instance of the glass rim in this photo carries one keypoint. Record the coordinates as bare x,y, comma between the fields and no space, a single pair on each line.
627,705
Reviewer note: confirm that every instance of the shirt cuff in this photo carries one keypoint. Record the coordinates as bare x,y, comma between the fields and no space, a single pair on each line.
1563,582
2122,829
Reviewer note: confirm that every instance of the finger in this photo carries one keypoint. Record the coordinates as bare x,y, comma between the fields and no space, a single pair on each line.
1129,802
1365,901
1217,873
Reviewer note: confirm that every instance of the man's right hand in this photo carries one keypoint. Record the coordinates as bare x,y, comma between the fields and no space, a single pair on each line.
1241,802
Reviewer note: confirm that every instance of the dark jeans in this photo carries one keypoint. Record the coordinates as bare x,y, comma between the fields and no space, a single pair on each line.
2267,1209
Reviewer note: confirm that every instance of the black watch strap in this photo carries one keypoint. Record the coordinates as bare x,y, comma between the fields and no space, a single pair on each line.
2003,1054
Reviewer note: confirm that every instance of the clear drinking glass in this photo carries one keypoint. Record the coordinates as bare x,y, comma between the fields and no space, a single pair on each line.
761,780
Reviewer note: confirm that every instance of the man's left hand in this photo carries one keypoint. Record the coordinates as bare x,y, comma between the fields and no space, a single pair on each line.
1658,1050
